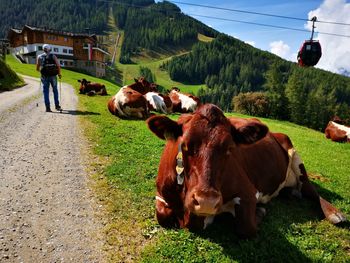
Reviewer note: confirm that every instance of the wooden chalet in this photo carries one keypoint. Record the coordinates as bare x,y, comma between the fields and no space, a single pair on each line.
73,50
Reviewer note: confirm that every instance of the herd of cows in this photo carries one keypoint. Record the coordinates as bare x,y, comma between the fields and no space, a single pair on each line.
213,164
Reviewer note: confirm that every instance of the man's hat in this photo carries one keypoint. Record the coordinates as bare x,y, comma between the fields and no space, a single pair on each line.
47,47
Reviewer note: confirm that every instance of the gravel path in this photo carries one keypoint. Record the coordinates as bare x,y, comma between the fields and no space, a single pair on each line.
47,212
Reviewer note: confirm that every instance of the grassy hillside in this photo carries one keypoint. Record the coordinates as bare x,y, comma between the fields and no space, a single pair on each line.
8,78
153,60
125,178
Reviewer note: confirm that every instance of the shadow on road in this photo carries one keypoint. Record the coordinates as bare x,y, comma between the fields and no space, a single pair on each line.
76,112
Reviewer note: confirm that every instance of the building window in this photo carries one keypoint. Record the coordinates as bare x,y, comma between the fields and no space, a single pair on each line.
70,51
65,50
40,48
55,49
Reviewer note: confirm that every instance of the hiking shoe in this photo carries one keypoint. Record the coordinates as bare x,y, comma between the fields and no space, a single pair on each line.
48,110
58,107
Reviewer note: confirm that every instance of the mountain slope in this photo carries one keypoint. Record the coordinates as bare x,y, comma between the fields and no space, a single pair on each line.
75,16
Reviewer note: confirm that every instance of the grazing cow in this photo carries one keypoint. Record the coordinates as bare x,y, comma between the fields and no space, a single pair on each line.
337,131
143,86
212,164
182,102
159,102
86,87
129,104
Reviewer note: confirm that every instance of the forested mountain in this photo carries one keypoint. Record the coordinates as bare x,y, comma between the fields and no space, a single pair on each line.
74,16
229,67
149,25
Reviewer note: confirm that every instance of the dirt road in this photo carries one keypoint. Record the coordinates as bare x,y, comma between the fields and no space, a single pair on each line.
46,206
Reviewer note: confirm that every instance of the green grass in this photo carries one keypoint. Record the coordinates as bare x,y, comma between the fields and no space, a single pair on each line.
291,231
153,60
131,71
8,78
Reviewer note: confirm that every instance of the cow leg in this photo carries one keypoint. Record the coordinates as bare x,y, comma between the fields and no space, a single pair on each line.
246,218
331,213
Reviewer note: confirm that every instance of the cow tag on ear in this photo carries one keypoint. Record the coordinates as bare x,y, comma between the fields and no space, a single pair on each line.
164,128
249,133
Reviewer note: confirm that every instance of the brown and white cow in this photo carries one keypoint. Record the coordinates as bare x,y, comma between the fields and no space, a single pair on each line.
183,102
159,102
129,104
86,87
212,164
143,86
337,131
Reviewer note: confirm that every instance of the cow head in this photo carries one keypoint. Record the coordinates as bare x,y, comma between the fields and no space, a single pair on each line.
143,86
83,85
203,143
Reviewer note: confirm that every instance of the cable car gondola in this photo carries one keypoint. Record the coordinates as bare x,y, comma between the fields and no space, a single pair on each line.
310,52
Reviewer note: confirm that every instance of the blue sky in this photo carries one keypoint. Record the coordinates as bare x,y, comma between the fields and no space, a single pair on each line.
285,43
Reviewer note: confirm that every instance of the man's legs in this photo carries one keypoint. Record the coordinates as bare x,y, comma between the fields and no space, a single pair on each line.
53,81
46,89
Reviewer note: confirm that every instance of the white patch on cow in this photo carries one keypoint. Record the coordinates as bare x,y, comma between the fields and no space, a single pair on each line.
229,207
187,103
208,221
237,200
156,101
342,128
160,199
120,99
292,178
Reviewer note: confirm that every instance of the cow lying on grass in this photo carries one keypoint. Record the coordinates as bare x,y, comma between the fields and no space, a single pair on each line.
86,87
135,101
128,104
337,131
212,164
183,102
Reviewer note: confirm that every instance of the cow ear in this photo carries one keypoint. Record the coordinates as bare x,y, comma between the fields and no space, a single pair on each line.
164,128
249,133
136,80
79,80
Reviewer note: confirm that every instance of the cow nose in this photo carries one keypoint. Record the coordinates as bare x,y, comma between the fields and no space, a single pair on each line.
206,203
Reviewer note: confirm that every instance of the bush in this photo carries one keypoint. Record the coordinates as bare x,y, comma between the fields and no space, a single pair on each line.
251,103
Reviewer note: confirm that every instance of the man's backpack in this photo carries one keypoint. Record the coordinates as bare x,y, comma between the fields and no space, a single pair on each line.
49,67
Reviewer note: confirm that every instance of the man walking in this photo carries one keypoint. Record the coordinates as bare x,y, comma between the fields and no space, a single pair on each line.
49,67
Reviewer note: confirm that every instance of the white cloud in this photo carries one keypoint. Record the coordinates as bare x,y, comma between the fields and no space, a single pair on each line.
335,50
281,49
252,43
